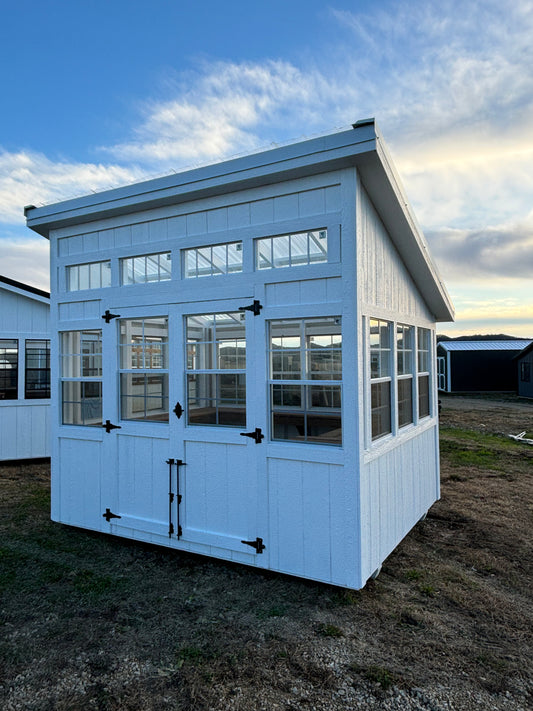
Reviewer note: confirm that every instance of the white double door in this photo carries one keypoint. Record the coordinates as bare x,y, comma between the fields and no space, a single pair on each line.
198,480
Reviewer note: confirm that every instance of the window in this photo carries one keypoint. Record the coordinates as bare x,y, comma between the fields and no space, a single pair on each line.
213,260
525,372
380,377
292,250
216,365
8,369
89,276
423,363
305,380
144,369
81,377
404,370
145,269
37,381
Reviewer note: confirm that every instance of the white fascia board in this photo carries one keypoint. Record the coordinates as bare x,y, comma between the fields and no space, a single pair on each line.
318,155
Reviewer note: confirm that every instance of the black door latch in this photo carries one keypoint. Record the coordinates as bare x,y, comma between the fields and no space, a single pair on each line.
107,316
110,426
257,544
256,434
255,307
108,515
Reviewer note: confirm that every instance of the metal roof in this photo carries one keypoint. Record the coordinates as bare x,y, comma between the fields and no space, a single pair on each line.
516,345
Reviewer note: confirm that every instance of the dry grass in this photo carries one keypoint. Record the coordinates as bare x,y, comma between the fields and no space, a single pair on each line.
88,621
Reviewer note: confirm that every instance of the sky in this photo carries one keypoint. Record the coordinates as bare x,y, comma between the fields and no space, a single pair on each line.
101,93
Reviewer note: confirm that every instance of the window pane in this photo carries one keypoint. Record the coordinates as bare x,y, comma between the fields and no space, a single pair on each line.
144,397
264,254
219,259
165,266
95,280
81,353
234,257
8,369
318,246
423,396
190,263
106,274
82,403
405,401
72,279
152,267
280,251
83,271
299,249
144,343
381,416
204,262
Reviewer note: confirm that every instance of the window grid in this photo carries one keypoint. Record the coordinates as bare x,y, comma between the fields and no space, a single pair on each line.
291,250
81,377
146,268
213,260
37,370
404,369
216,365
423,372
143,369
8,369
95,275
305,359
380,375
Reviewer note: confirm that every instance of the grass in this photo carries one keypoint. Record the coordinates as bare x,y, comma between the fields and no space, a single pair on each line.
91,621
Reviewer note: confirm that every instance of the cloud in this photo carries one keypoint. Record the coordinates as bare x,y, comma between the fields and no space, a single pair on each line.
500,251
223,109
26,260
32,178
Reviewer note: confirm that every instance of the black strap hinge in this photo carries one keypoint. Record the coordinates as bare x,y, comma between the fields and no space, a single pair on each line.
110,426
256,434
255,307
257,544
108,515
107,316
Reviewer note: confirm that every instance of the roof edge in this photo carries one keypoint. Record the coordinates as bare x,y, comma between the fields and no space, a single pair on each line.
20,286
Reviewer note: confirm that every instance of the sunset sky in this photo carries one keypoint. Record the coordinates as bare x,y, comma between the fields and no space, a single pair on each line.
100,93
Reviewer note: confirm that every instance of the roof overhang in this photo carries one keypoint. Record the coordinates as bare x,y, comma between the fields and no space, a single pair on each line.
362,147
30,292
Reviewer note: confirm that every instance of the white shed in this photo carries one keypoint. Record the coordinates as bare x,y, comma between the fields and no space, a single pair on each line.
243,357
24,371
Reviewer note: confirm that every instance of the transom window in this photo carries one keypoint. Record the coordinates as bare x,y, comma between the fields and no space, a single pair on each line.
146,268
144,369
292,250
95,275
81,377
8,369
305,380
213,260
216,365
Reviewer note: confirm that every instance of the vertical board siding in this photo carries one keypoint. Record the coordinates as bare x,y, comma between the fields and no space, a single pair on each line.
79,466
297,204
302,534
20,314
383,278
24,430
142,477
216,486
397,489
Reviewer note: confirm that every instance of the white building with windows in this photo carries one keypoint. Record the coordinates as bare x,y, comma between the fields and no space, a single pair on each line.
24,371
244,359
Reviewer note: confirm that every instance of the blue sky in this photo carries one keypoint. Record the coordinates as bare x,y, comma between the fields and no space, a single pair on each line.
100,93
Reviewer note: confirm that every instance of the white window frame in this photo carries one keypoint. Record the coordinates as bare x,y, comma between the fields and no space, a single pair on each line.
98,275
278,243
216,257
162,274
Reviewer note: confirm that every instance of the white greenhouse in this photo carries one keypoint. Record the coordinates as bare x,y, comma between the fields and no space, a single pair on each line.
243,359
24,371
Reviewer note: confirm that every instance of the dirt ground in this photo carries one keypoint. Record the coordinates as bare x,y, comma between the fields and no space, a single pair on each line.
92,622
